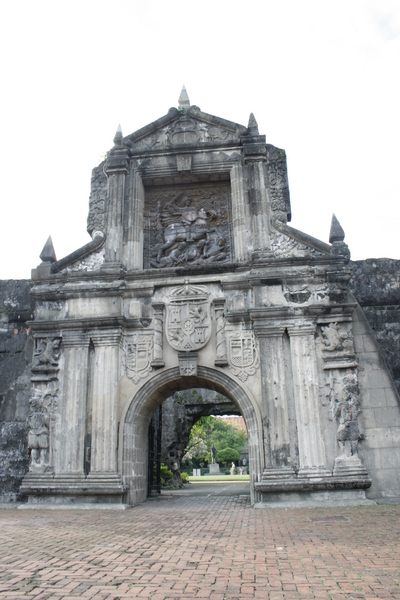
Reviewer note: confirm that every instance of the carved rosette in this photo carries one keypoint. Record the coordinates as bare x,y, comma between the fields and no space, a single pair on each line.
243,355
138,354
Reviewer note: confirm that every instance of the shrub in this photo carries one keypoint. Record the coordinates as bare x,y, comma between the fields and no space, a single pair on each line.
166,474
184,477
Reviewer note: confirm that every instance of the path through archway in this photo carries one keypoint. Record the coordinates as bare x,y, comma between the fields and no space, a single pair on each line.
138,413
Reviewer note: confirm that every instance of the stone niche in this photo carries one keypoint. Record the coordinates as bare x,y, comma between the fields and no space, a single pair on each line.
187,224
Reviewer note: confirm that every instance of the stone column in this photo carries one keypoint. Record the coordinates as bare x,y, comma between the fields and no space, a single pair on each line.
305,382
105,403
116,169
70,451
158,359
222,358
278,420
133,222
258,201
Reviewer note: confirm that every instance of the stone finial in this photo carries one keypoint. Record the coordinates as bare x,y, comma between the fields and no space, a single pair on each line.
253,125
184,98
48,253
336,233
118,136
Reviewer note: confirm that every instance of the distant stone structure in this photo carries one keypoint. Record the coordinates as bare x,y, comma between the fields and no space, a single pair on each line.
194,279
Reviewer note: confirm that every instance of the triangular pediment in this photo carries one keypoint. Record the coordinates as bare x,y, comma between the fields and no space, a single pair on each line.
189,127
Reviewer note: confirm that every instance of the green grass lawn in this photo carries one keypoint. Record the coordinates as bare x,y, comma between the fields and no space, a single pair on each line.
211,478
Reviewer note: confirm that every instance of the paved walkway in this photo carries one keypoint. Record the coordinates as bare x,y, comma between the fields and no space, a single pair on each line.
208,546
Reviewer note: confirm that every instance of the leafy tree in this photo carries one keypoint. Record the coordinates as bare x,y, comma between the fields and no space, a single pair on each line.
227,439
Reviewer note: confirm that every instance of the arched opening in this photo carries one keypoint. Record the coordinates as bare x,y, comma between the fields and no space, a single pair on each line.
138,413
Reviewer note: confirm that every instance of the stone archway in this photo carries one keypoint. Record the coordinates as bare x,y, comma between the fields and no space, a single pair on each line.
138,413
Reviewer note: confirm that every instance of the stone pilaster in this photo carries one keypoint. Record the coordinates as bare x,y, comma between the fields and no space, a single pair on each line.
312,457
222,357
278,426
116,169
158,320
258,202
104,402
71,448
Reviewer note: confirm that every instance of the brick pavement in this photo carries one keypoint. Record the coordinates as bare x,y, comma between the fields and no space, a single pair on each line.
213,547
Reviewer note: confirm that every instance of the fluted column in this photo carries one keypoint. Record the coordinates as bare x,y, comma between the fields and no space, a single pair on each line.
221,350
69,457
305,382
258,201
278,422
105,402
116,169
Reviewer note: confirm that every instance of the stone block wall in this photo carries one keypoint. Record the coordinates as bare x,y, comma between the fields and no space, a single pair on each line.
16,308
376,285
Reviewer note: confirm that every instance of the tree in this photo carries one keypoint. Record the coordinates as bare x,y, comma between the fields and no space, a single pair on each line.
228,442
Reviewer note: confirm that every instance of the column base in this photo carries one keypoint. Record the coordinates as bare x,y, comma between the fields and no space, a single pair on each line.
349,466
278,473
315,490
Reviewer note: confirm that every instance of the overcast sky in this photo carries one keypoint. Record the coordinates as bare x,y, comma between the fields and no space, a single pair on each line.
321,77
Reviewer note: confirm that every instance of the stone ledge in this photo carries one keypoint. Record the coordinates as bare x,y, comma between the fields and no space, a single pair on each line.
302,485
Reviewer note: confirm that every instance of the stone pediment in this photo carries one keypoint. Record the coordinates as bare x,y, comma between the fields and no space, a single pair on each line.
190,127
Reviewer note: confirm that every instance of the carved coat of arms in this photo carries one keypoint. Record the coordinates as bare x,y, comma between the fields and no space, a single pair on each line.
188,318
243,354
138,355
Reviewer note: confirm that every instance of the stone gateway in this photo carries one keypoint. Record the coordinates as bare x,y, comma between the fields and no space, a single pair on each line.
194,279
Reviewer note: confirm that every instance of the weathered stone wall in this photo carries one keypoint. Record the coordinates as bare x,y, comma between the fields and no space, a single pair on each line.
376,285
16,308
374,282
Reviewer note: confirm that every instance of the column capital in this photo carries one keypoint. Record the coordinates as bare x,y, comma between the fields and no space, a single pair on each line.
106,337
268,331
73,338
219,303
302,329
158,307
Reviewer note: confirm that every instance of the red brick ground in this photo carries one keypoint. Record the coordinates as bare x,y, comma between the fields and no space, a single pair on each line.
201,547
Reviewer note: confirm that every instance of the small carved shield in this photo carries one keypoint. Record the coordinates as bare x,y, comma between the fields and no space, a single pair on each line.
138,355
242,354
188,324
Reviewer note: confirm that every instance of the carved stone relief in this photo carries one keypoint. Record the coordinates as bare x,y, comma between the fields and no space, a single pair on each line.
243,355
338,347
184,130
46,356
278,185
43,405
345,407
283,245
138,354
187,227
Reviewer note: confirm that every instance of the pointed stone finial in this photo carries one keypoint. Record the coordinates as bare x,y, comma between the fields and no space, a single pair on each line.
118,136
48,254
253,125
184,98
336,233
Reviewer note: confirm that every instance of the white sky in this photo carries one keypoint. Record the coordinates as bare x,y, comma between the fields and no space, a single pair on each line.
322,78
